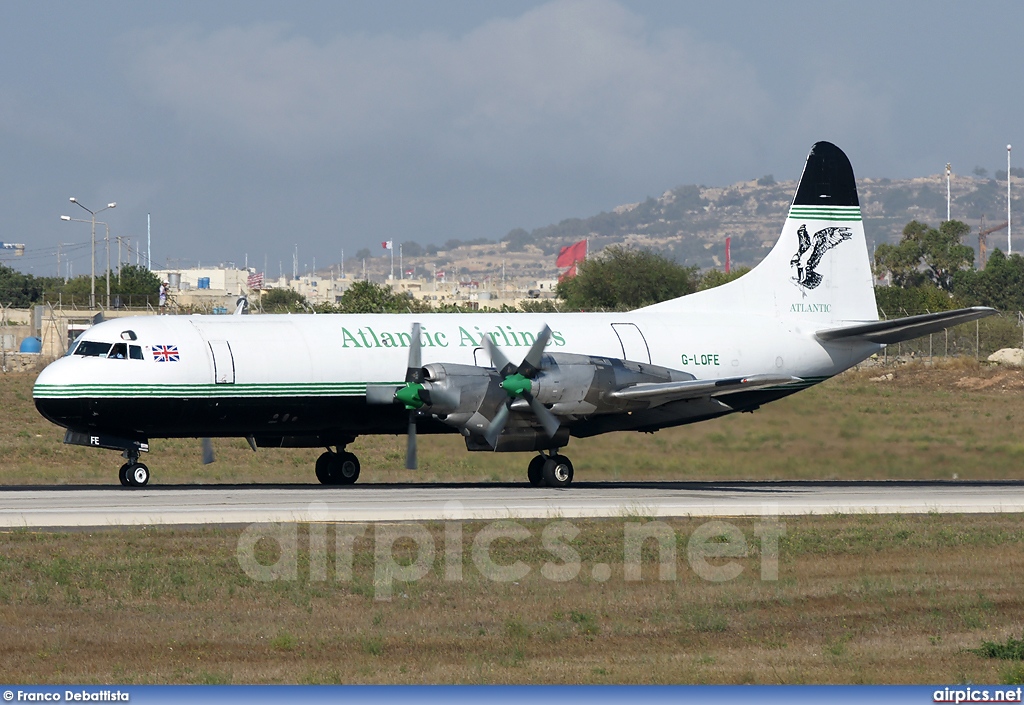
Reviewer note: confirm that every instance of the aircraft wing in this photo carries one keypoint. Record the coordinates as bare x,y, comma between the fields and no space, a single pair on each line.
901,329
663,392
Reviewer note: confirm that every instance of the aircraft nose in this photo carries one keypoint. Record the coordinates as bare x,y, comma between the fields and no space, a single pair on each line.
53,395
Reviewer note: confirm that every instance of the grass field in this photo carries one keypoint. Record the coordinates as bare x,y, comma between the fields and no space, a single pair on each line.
929,423
863,599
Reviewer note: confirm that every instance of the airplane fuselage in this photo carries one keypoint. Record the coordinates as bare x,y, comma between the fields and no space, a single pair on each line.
307,375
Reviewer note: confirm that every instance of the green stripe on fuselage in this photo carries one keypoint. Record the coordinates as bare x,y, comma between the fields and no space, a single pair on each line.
314,389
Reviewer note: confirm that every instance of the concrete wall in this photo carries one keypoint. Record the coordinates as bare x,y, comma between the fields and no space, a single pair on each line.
21,362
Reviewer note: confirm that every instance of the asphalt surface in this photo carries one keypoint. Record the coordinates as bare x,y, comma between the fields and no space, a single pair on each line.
90,506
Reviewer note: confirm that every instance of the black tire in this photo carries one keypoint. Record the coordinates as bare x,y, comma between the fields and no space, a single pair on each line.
535,472
557,471
323,468
345,468
138,475
122,475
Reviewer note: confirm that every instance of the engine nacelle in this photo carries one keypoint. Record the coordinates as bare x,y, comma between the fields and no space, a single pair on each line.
572,386
459,393
579,385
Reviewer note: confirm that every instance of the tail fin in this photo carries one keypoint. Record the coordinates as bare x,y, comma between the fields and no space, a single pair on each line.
819,269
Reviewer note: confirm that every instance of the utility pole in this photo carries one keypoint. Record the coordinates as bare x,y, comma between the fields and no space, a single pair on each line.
949,170
1009,227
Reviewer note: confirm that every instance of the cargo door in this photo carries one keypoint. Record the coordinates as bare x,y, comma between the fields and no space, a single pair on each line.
223,362
634,345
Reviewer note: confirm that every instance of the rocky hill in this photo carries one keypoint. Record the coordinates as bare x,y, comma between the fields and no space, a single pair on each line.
690,224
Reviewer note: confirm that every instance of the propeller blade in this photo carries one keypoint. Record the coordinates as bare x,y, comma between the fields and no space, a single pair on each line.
498,359
414,372
531,363
543,414
410,446
497,424
207,451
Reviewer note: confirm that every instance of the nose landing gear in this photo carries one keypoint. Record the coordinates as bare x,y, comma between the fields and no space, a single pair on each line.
133,473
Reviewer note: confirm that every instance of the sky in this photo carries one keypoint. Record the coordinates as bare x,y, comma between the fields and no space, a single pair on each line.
247,128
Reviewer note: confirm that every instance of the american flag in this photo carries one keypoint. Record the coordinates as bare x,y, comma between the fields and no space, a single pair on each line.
165,353
255,281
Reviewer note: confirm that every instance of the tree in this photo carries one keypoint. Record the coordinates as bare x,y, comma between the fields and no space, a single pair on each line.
371,297
926,254
410,248
1000,284
282,301
714,277
621,279
135,280
516,240
535,306
19,290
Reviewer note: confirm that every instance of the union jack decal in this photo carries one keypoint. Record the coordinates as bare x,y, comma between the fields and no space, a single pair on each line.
165,353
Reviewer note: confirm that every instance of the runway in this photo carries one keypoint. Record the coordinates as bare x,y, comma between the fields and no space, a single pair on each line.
93,506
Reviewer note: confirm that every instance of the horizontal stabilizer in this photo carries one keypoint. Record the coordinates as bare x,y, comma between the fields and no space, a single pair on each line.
900,329
663,392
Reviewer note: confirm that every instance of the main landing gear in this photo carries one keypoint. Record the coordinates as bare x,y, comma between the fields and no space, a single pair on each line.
337,468
133,473
550,471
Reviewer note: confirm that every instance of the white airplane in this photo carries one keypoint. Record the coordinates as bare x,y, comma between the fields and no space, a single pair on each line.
804,314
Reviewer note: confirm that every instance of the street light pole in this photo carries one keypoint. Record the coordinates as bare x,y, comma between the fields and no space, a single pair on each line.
1009,221
92,213
94,222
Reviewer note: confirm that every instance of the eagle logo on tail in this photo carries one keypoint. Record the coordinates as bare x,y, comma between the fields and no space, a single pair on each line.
818,244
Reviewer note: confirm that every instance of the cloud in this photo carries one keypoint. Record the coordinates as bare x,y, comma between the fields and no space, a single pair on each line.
566,81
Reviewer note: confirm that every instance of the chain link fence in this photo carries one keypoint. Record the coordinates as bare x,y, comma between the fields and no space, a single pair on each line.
978,339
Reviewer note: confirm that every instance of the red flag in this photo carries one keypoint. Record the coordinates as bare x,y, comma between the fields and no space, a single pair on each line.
568,274
568,256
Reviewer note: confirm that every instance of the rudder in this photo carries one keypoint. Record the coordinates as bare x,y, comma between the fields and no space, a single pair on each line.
819,268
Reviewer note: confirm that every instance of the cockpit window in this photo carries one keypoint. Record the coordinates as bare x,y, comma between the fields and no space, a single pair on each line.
92,348
136,352
119,351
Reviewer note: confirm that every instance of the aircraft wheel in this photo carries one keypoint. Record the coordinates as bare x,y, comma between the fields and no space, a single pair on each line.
138,475
346,468
535,472
323,468
557,471
122,475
